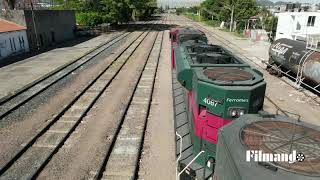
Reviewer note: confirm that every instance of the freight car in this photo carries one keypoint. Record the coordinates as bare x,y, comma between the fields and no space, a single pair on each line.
218,87
295,57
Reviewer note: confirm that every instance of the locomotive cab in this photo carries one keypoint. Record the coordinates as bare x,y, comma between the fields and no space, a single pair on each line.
220,94
173,35
179,35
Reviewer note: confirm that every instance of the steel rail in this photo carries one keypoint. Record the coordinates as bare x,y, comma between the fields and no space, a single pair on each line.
104,163
26,90
148,110
61,143
61,113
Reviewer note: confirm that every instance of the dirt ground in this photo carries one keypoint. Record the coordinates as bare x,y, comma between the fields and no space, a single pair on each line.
158,156
88,149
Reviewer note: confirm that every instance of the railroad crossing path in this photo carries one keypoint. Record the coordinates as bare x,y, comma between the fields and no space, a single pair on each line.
27,72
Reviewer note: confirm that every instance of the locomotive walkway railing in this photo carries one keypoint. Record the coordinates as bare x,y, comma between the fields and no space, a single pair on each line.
302,63
178,176
180,151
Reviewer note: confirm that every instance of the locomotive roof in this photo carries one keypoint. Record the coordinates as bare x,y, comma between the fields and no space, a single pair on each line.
193,42
225,54
190,31
208,55
229,75
272,134
200,44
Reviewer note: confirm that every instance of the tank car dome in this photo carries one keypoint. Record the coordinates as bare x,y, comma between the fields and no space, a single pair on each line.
268,147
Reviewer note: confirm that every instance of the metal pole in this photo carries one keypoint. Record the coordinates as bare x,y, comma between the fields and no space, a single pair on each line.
232,14
34,25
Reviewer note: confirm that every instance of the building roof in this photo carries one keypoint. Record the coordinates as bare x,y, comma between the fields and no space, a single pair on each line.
6,26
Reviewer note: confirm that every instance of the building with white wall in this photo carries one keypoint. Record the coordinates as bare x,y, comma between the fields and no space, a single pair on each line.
13,39
178,3
298,25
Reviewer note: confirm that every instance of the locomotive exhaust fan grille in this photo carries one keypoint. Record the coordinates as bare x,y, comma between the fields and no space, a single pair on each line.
227,74
276,137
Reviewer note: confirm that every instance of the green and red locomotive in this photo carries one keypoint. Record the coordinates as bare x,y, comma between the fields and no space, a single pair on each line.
219,96
218,87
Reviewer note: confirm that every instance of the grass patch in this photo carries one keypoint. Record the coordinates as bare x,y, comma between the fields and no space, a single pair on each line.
196,18
212,23
193,17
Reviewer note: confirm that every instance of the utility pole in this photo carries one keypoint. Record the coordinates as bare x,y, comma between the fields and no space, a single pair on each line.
34,25
232,17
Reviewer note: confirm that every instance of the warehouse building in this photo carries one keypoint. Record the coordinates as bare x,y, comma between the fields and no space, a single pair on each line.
13,39
45,27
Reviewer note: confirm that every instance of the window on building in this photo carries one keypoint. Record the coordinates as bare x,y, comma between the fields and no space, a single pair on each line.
311,20
298,26
30,39
22,39
53,39
11,44
41,39
14,44
20,42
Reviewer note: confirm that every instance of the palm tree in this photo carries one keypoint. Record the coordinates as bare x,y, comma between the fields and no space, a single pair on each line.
230,5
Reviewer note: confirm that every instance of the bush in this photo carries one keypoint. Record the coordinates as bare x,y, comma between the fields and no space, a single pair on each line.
90,18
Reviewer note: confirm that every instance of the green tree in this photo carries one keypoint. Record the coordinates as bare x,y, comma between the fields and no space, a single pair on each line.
93,12
212,9
229,10
180,10
10,3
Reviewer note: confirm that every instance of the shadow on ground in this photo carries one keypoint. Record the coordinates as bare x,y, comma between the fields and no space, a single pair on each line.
142,25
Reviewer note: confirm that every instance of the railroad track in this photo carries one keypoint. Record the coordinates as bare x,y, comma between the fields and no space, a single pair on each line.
20,98
239,50
36,154
122,158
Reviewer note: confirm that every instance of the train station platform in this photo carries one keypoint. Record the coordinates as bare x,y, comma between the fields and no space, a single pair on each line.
19,75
